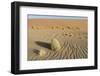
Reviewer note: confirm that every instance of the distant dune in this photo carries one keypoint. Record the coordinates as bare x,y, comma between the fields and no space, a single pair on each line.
58,22
72,35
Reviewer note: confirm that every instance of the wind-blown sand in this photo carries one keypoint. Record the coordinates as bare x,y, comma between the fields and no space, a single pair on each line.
72,35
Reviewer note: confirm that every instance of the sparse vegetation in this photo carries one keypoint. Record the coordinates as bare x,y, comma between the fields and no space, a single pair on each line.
55,45
42,52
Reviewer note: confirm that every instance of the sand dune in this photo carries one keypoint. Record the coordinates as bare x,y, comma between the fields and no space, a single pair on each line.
72,35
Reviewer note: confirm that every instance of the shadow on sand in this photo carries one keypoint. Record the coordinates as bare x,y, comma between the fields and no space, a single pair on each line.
44,44
36,51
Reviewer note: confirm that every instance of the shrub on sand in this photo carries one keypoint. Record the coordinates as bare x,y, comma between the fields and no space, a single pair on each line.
42,52
55,45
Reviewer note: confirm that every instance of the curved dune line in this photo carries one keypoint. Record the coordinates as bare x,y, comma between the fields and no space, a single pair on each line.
84,52
78,52
72,50
56,54
49,54
83,47
81,51
67,50
52,53
63,53
60,51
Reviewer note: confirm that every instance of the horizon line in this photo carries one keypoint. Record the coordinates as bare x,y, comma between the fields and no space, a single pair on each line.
31,16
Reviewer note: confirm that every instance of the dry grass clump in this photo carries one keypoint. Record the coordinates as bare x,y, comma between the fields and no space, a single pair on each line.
42,52
55,44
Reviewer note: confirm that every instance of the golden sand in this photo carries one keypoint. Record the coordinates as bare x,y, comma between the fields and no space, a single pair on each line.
72,35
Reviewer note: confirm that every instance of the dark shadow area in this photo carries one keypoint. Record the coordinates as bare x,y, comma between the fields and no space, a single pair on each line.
43,44
36,51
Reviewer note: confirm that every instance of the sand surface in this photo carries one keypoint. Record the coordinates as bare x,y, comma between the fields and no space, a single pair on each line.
72,35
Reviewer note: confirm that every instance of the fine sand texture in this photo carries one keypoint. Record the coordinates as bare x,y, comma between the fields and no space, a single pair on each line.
71,34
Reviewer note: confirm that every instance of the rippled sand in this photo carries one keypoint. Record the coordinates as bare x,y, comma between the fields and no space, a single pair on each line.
72,35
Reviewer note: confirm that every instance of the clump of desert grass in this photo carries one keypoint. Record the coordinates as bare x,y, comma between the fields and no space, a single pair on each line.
55,44
42,52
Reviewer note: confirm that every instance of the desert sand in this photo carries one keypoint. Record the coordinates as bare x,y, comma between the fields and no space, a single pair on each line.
72,35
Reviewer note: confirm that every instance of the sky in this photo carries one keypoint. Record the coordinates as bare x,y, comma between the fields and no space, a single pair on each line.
31,16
